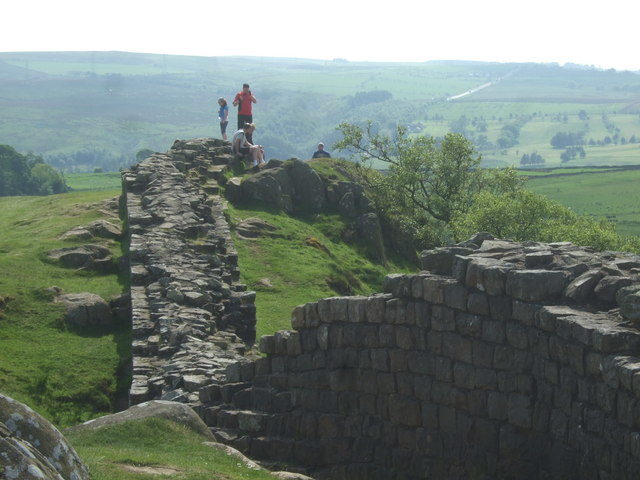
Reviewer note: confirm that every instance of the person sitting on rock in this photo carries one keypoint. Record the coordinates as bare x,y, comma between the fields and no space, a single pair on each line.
321,152
241,145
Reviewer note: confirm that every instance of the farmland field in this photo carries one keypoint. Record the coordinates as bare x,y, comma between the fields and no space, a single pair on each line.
82,110
613,194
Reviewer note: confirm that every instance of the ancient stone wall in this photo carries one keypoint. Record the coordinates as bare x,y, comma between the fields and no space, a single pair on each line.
190,316
500,360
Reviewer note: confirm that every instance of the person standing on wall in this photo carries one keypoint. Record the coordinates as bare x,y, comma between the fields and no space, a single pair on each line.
321,152
243,101
223,116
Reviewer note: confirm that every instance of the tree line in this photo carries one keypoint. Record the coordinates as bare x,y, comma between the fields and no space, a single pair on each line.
27,174
435,191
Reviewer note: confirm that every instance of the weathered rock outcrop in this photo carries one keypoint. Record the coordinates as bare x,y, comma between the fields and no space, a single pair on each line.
191,318
295,187
174,411
99,228
31,448
86,309
86,257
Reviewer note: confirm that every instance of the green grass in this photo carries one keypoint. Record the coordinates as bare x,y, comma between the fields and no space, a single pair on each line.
93,181
613,194
156,443
307,261
68,376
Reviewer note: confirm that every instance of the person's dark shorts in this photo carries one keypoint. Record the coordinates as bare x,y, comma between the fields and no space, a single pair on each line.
242,119
223,127
245,150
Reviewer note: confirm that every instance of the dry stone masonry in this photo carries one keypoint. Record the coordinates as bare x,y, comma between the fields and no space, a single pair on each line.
498,360
190,316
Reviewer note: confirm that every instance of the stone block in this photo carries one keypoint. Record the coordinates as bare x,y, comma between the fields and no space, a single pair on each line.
500,307
440,260
497,405
387,335
580,290
405,338
380,360
478,304
536,285
442,319
628,298
516,335
297,318
433,289
482,354
386,383
493,331
357,309
457,347
422,387
322,337
486,379
398,360
374,308
397,284
416,286
312,319
608,287
267,344
455,296
520,413
469,325
524,312
464,375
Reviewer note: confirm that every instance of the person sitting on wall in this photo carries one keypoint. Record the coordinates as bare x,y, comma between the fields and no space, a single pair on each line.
321,152
241,145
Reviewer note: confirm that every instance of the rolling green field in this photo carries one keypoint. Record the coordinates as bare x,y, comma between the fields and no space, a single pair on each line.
87,109
613,194
67,375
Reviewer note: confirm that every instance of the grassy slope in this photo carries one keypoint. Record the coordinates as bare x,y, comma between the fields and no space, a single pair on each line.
158,443
612,194
298,271
67,376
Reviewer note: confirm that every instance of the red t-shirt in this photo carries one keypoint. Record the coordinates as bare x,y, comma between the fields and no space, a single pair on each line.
245,103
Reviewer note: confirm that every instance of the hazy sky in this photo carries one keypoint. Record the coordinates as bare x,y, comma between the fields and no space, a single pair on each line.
601,33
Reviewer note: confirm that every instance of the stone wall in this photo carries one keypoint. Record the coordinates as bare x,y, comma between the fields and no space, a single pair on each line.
500,360
190,316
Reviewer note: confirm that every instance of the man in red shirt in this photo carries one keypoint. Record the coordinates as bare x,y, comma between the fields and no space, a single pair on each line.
243,101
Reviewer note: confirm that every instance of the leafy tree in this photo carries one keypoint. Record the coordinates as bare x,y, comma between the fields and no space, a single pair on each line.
27,174
567,139
523,215
427,182
583,115
47,180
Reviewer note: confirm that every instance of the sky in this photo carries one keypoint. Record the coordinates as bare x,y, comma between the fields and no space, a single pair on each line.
603,34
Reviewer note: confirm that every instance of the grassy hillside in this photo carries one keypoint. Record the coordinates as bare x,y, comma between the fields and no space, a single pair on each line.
306,261
610,193
66,375
155,449
86,109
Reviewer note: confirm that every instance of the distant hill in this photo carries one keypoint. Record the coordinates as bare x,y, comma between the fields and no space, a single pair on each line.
82,110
